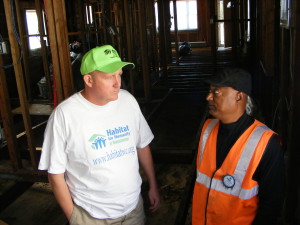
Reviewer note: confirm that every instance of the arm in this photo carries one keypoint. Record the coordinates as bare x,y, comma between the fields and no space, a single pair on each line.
270,176
61,193
145,159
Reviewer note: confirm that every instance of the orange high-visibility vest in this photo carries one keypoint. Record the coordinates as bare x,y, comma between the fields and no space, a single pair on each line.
228,195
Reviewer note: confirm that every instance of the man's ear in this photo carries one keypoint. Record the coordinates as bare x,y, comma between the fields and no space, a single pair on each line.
239,96
88,80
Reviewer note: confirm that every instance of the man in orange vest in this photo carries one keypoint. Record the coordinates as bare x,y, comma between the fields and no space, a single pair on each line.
240,162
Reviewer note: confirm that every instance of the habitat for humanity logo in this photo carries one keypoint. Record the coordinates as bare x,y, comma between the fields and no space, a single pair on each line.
98,141
118,134
113,136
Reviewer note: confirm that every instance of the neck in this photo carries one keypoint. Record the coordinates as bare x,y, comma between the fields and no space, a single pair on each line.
232,118
86,94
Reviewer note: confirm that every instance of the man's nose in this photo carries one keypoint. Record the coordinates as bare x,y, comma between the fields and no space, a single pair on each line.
209,96
117,80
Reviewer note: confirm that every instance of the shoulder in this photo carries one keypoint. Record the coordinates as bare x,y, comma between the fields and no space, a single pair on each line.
127,97
69,104
73,99
125,94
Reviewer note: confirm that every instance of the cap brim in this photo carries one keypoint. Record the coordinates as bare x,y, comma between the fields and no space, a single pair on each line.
115,66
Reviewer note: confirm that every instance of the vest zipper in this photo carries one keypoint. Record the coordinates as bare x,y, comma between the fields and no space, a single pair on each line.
208,196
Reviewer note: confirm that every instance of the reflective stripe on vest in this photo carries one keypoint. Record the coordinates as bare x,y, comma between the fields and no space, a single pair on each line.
240,170
205,137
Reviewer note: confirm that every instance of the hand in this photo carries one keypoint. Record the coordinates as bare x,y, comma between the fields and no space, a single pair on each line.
154,198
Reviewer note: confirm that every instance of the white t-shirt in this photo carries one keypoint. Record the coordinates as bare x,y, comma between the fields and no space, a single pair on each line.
95,146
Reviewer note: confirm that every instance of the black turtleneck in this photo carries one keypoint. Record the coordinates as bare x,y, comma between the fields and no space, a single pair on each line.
269,173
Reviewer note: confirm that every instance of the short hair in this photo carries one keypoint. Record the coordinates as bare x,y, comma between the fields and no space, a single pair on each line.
249,106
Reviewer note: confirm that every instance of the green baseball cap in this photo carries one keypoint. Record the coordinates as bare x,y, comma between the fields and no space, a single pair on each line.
104,58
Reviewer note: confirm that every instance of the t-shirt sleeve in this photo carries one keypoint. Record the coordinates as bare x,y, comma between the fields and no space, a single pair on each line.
145,135
54,157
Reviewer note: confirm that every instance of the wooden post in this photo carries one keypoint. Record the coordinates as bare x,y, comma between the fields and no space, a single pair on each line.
15,52
8,124
25,51
82,16
164,36
129,42
63,50
43,48
58,91
235,31
176,31
144,49
213,33
153,43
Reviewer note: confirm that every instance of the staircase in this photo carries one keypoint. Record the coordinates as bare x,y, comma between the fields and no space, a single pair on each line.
188,75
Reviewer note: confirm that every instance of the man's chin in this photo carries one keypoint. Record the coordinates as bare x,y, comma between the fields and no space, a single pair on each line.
213,113
115,98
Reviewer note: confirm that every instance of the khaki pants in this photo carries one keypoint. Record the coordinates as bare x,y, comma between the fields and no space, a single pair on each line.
135,217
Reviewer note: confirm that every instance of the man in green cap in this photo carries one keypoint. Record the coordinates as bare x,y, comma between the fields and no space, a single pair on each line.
93,145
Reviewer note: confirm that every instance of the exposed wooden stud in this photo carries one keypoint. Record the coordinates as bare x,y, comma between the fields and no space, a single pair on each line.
8,124
243,23
43,48
63,50
20,84
24,50
153,35
213,33
235,31
164,35
129,42
58,91
82,16
144,49
176,31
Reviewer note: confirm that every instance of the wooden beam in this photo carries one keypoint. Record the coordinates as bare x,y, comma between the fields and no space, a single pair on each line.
176,31
129,41
58,91
151,24
82,16
164,35
24,50
63,47
8,123
15,52
43,48
144,48
213,32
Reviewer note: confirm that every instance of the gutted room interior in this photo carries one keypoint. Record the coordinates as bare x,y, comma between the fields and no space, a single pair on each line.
175,45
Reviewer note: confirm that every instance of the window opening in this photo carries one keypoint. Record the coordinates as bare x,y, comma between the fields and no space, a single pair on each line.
248,23
187,16
89,14
33,29
221,33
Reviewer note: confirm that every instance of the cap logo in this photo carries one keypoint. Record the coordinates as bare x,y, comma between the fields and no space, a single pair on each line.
111,52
